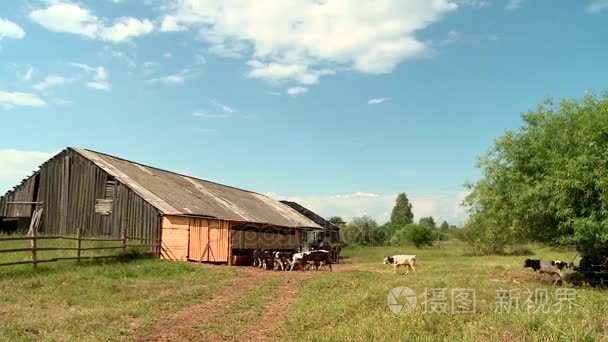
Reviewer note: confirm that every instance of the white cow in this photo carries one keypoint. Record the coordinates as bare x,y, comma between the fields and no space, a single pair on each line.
402,260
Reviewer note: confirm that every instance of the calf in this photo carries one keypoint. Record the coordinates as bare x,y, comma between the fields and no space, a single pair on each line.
561,264
317,259
282,260
402,260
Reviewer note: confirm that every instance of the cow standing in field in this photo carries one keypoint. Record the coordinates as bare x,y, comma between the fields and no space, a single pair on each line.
402,260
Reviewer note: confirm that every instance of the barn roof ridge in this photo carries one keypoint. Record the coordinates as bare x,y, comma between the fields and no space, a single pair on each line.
170,171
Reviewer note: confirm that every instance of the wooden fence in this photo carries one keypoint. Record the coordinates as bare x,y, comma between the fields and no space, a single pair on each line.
153,247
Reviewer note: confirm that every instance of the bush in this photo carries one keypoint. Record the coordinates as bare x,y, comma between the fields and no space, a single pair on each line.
421,235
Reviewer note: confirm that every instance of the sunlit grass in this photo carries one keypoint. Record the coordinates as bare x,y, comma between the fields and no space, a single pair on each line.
352,305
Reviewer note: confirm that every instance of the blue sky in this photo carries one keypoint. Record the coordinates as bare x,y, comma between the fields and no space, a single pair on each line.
337,104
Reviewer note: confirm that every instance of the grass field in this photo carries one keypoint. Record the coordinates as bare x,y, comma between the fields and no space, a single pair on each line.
115,301
354,304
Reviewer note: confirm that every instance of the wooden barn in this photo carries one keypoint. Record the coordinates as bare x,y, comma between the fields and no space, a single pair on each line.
193,219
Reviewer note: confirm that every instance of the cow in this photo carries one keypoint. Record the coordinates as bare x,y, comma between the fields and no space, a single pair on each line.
402,260
317,259
257,257
314,259
542,267
282,260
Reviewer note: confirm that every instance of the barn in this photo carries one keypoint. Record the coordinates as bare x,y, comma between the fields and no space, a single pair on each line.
191,218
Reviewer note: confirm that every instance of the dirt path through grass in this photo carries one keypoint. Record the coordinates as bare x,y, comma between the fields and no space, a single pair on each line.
184,325
273,317
252,308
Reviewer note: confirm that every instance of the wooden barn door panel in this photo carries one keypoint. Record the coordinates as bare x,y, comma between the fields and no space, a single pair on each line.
218,241
208,240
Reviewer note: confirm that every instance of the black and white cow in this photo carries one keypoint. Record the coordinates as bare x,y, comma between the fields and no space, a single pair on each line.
313,259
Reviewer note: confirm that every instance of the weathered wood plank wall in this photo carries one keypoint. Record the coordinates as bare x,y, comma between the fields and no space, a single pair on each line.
70,186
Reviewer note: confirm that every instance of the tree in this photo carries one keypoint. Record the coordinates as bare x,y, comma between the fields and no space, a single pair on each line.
362,230
337,220
427,221
546,181
402,214
444,226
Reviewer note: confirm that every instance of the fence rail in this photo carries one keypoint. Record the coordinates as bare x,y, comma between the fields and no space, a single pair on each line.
154,245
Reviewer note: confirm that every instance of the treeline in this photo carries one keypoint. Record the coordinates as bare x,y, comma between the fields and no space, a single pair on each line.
547,181
400,229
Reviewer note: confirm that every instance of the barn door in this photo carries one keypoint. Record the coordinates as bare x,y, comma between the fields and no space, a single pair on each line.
208,240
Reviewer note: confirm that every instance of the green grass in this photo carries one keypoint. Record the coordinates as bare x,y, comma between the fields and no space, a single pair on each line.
66,301
243,312
111,300
352,305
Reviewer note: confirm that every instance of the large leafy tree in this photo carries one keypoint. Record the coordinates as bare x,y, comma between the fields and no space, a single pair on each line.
547,181
402,214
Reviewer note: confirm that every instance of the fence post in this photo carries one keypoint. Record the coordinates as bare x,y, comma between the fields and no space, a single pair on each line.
78,243
33,245
124,241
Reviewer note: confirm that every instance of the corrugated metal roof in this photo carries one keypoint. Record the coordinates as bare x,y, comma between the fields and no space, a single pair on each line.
311,215
175,194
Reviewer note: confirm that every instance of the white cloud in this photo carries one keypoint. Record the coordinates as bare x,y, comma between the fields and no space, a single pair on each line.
99,85
16,165
474,3
167,55
71,18
597,6
442,206
9,29
513,5
26,73
173,79
100,80
303,40
50,81
82,66
10,100
98,74
295,91
205,115
125,28
223,107
169,24
376,101
277,72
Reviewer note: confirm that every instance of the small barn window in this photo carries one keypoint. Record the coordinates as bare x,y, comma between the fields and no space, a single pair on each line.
104,206
111,188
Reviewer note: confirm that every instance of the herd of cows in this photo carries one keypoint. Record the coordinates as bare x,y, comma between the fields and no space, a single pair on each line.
317,259
288,261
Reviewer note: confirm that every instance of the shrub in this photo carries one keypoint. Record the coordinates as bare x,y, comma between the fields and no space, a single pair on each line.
420,235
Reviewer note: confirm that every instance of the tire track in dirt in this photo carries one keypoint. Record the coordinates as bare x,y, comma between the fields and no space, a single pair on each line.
273,318
183,325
